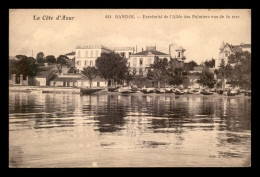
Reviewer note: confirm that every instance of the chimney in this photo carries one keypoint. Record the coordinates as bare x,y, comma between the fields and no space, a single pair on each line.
142,49
170,49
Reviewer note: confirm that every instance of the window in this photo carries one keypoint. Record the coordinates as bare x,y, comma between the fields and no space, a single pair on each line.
91,53
91,62
134,61
141,62
86,63
179,54
79,54
78,63
96,53
86,53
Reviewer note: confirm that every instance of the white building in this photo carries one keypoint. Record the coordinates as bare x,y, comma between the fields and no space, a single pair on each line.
140,62
125,52
77,80
87,55
177,52
227,49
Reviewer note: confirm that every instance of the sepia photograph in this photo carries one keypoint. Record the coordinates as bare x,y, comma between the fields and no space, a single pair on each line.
93,88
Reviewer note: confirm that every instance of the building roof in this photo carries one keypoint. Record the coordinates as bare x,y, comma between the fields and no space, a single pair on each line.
43,74
246,45
92,47
150,52
49,68
180,49
122,48
74,79
97,79
235,48
71,53
65,79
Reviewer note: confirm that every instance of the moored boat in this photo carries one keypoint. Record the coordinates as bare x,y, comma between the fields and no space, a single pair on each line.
125,90
147,90
168,90
113,89
36,91
189,91
220,91
206,92
161,90
179,92
88,91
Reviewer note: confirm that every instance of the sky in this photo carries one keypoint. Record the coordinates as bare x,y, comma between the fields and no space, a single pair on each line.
201,37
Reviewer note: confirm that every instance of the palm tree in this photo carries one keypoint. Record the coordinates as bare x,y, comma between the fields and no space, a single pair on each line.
91,73
158,71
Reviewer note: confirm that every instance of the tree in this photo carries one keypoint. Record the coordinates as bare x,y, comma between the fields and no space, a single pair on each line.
158,70
112,66
207,78
50,59
91,73
40,57
13,67
73,69
190,65
26,66
225,71
210,63
129,75
177,76
241,69
63,60
19,57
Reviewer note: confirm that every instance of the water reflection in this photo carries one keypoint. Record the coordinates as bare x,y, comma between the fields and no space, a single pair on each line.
62,130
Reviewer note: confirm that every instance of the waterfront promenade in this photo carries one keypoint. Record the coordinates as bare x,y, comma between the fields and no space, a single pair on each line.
73,90
46,89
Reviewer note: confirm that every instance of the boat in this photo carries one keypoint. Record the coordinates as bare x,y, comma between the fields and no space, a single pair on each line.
220,91
134,89
168,90
88,91
113,89
147,90
36,91
189,91
125,90
196,90
232,92
212,90
159,90
206,92
179,92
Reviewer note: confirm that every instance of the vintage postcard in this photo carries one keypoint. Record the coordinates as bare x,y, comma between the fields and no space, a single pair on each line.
129,88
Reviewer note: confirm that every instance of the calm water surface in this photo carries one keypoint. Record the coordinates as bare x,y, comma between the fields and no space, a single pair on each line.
112,130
